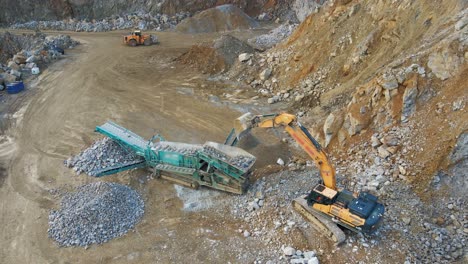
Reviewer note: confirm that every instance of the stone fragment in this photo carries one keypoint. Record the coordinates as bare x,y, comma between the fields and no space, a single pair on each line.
273,99
299,97
390,140
280,162
244,57
309,254
265,74
461,23
9,78
444,64
409,101
289,251
383,152
12,65
388,81
406,220
375,142
332,125
19,59
16,73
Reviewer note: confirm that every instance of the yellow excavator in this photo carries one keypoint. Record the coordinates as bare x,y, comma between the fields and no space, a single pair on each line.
326,205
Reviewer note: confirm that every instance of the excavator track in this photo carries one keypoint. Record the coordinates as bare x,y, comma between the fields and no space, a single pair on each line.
321,223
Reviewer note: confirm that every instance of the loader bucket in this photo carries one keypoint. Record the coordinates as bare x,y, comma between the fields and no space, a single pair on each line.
243,124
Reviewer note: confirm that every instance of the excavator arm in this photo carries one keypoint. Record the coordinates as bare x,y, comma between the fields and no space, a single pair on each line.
298,132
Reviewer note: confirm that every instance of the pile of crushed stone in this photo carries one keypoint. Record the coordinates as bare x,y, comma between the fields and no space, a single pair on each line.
94,214
273,37
102,154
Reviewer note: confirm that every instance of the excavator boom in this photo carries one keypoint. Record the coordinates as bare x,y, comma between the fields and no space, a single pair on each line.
298,132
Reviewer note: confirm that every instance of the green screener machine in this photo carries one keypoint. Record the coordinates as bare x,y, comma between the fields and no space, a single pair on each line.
219,166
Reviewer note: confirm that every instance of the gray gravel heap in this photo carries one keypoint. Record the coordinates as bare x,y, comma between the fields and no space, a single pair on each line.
102,154
182,148
274,36
240,161
96,213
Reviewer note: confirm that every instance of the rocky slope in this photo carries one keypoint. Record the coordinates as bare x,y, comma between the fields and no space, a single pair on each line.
48,10
351,80
382,85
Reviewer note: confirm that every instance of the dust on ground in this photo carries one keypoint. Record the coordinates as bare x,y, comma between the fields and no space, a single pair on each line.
139,88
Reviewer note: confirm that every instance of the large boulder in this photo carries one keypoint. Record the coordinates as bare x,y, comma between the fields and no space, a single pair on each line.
409,98
460,151
220,18
444,64
332,125
12,65
9,78
19,59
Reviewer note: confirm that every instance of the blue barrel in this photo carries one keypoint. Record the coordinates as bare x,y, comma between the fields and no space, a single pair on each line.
15,87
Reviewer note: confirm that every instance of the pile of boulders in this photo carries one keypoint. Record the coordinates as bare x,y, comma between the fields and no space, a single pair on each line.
299,257
94,214
142,21
104,153
381,166
38,50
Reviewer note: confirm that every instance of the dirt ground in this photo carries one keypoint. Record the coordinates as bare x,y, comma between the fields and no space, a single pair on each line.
141,89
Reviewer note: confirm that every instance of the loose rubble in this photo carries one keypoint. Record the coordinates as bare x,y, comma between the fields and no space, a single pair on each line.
182,148
102,154
94,214
274,36
142,21
221,18
241,161
26,54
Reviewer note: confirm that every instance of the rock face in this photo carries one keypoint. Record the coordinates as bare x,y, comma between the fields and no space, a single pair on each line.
221,18
460,152
303,8
409,100
24,10
456,177
332,125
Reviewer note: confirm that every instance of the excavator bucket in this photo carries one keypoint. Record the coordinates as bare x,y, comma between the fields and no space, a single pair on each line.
243,124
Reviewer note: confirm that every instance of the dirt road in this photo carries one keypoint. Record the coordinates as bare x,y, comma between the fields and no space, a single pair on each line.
140,89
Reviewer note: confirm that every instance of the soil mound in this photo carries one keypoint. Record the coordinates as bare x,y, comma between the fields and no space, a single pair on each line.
221,18
217,56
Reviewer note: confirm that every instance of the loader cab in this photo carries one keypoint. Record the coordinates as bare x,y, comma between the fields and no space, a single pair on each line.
322,195
137,33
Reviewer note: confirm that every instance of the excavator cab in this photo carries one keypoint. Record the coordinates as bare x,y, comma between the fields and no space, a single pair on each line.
322,195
